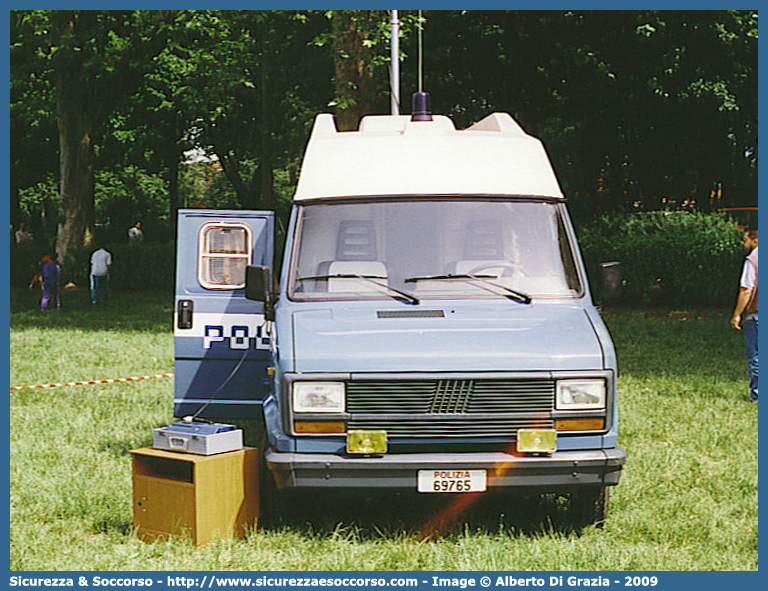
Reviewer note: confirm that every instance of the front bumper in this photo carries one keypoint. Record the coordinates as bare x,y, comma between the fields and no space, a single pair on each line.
562,469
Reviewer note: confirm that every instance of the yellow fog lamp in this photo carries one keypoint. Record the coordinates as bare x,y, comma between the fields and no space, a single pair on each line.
536,441
366,442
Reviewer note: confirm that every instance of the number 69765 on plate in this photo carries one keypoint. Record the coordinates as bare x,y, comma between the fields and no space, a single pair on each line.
451,481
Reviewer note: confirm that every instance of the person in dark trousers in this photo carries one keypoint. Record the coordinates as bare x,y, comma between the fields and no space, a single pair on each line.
746,308
101,262
50,276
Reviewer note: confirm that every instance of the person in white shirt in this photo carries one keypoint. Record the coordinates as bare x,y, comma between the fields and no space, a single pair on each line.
22,235
746,306
101,262
135,234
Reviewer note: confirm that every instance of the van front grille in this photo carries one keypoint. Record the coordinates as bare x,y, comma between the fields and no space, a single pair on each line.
450,408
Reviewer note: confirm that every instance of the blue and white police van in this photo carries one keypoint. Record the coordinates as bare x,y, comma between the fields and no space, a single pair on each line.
431,330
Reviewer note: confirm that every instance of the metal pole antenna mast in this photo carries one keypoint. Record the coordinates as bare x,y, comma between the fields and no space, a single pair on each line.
421,74
395,62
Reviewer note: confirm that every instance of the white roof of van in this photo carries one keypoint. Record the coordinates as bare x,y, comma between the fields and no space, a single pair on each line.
392,155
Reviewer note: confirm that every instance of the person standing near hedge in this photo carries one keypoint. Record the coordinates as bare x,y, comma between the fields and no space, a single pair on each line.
101,262
135,235
746,304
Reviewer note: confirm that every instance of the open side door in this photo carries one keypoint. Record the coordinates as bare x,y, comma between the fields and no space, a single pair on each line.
222,348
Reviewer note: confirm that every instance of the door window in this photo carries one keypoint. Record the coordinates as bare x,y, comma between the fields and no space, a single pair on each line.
224,252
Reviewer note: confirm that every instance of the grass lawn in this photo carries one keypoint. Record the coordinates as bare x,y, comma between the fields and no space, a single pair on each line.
687,499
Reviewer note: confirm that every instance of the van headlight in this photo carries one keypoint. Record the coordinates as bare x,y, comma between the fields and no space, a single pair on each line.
580,394
318,397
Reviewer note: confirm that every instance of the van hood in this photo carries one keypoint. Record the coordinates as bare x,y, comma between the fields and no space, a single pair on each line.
511,337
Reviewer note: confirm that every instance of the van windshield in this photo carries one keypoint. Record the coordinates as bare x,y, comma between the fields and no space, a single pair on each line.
433,249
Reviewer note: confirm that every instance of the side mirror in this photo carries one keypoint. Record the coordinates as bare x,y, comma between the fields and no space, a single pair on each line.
258,287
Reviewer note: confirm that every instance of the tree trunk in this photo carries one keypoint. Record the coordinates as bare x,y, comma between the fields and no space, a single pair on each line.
230,165
172,157
17,218
76,162
266,200
352,61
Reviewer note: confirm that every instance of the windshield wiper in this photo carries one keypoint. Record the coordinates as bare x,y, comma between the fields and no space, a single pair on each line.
370,279
512,294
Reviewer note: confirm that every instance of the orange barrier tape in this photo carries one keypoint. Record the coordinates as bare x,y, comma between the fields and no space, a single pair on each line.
90,382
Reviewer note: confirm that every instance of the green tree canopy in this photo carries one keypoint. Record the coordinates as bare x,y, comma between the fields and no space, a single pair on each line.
633,106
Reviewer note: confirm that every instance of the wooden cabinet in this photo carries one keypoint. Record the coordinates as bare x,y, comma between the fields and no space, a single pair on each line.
204,497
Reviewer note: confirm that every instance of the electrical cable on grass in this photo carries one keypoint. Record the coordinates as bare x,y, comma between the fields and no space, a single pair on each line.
194,417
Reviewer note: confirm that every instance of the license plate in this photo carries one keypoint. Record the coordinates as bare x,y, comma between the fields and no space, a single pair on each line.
451,481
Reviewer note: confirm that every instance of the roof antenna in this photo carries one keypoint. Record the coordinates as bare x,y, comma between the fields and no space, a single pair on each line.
420,110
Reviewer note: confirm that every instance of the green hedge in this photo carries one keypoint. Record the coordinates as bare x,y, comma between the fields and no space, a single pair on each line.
667,257
146,266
